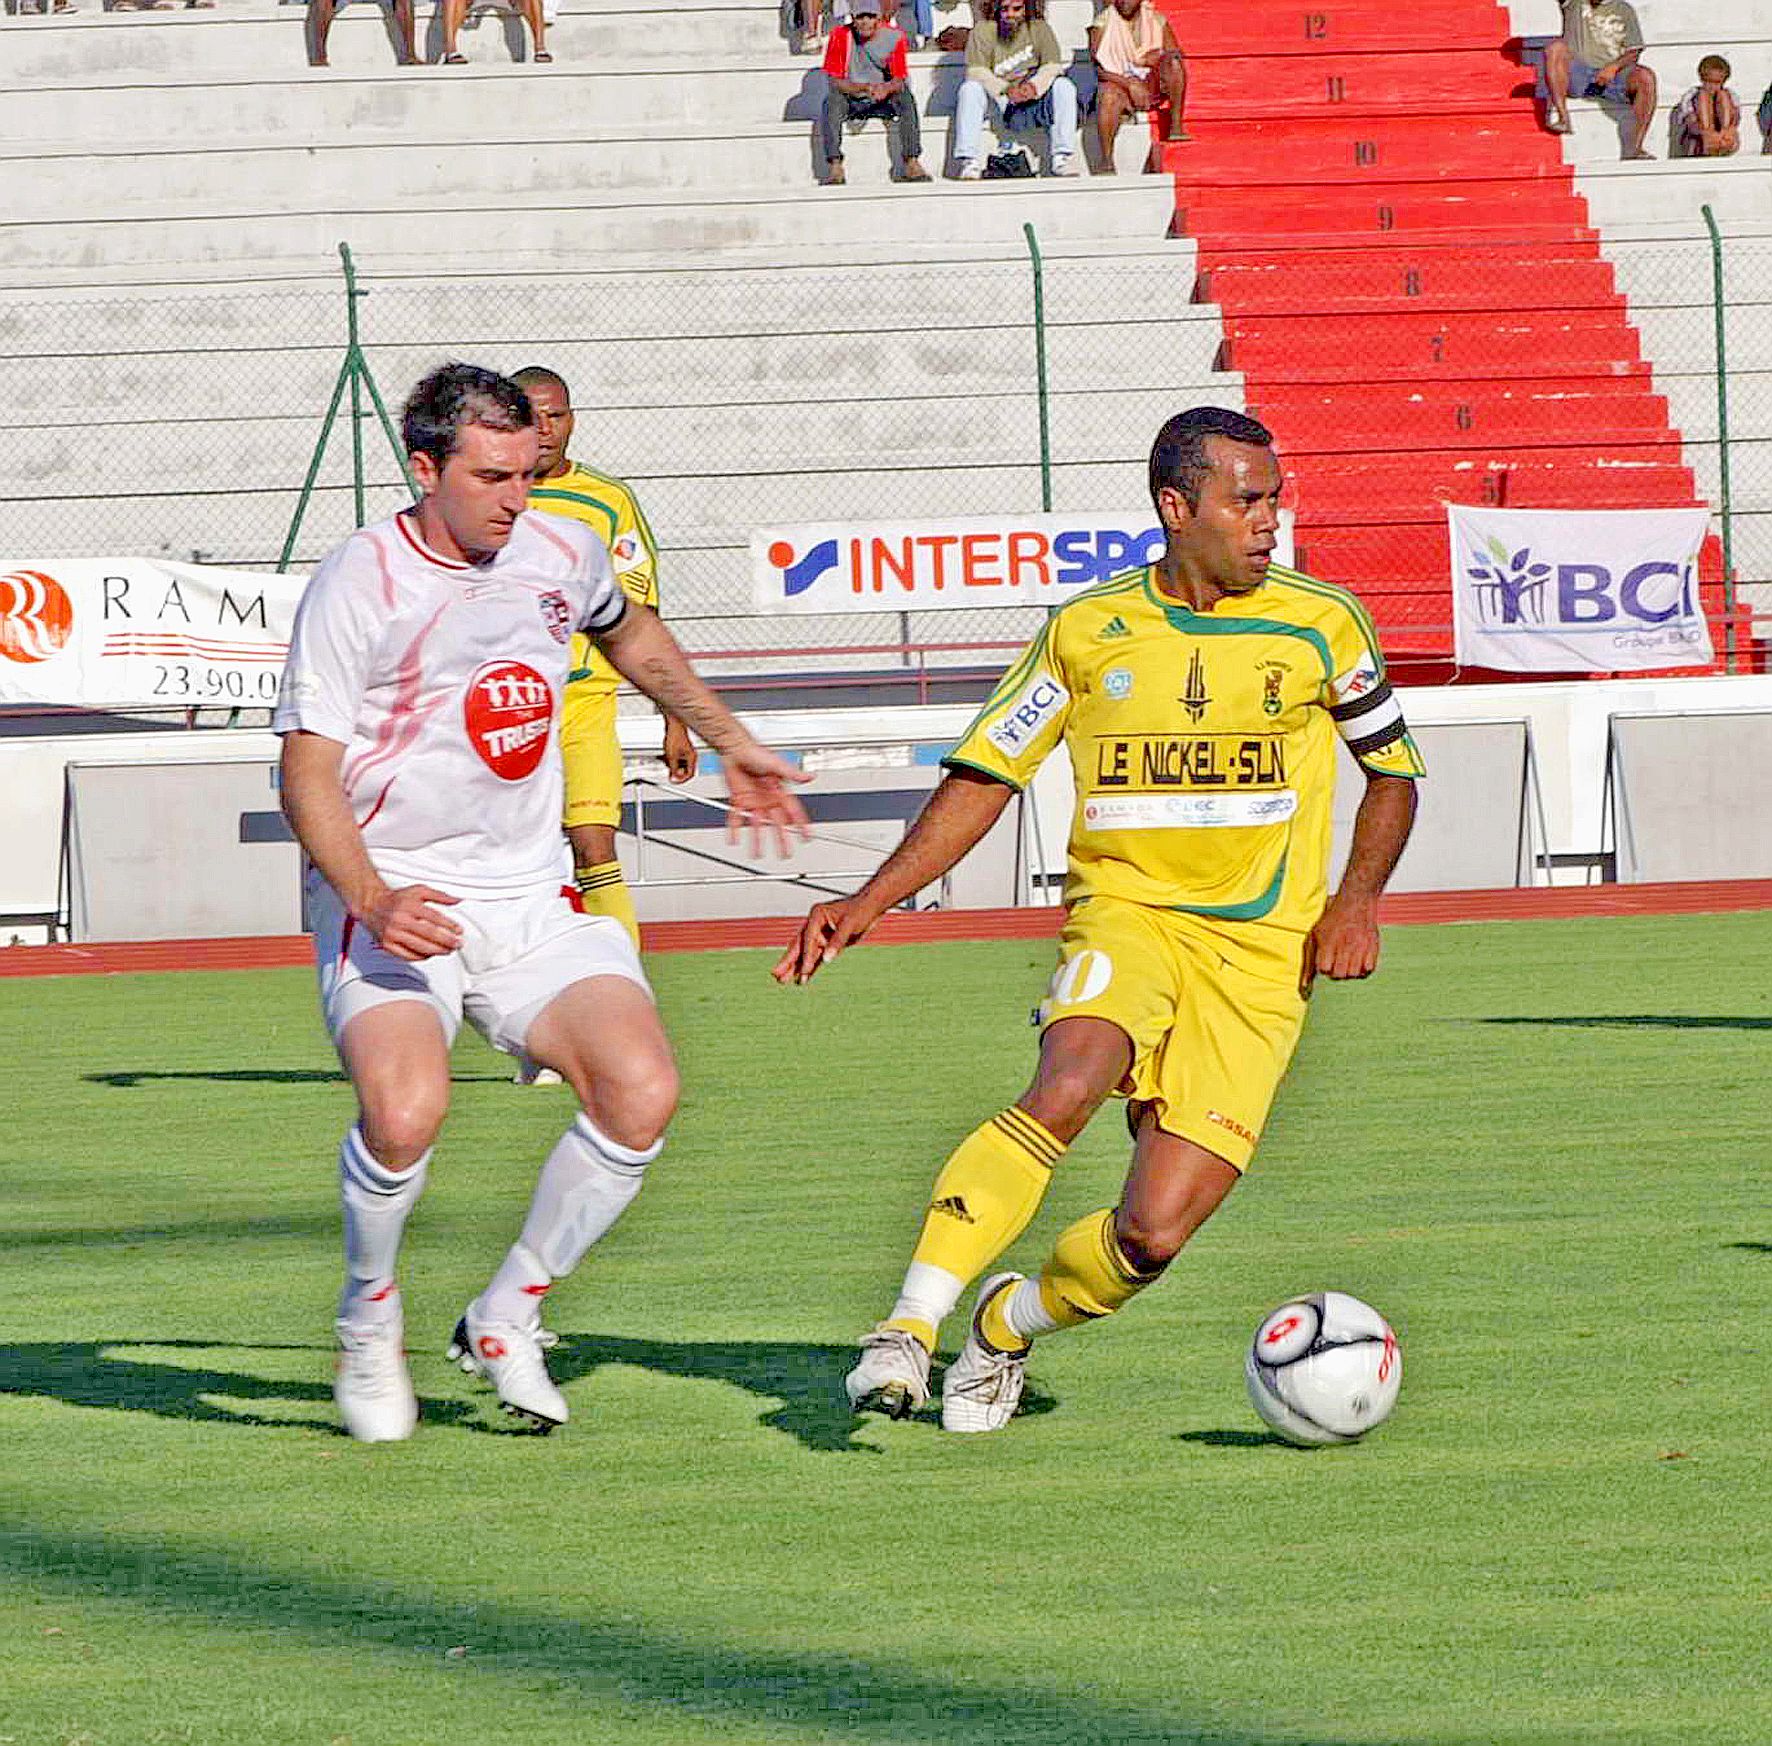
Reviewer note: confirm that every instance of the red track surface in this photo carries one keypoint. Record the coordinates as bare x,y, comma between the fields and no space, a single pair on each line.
286,951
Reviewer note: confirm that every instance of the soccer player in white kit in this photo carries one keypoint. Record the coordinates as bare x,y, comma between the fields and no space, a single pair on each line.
421,773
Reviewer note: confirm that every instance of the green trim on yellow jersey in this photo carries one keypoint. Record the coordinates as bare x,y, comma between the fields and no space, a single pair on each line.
1212,624
544,497
1329,591
950,762
1253,910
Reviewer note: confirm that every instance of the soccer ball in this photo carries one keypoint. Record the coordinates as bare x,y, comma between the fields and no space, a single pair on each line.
1324,1369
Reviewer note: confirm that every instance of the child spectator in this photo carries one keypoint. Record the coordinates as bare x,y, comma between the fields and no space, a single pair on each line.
1707,120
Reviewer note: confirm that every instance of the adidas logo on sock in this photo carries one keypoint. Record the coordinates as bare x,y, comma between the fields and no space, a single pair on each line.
1115,627
954,1207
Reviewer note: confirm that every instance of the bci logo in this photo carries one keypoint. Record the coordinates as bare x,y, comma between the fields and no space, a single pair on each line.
1513,589
1012,556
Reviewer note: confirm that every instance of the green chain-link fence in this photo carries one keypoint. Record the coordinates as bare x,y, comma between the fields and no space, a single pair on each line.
184,424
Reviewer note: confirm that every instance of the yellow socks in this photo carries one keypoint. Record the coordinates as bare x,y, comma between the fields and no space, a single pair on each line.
603,891
986,1193
1086,1277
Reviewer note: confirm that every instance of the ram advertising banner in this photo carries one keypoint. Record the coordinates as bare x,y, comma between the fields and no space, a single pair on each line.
1580,590
933,566
142,633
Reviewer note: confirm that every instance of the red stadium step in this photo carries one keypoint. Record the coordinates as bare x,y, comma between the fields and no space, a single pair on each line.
1315,84
1281,348
1418,277
1385,149
1293,29
1346,499
1320,205
1483,421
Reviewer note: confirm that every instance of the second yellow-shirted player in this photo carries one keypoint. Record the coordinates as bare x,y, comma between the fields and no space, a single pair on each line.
1199,700
588,743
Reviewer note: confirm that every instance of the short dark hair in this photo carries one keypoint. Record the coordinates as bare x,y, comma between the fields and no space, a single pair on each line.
1178,456
455,396
1717,61
538,375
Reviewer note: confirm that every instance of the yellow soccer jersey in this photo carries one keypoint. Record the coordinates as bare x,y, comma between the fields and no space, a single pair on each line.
1202,743
607,505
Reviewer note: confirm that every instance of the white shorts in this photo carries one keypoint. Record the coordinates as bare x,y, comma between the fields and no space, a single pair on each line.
516,955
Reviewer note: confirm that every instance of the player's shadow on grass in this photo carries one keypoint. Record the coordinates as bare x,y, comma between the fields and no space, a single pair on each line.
666,1670
1647,1021
260,1076
1751,1248
804,1381
106,1373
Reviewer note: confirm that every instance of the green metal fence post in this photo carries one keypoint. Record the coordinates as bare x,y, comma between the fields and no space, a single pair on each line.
1040,368
1719,306
355,373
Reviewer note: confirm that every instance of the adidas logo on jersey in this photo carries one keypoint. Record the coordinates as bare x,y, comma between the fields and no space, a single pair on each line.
1115,627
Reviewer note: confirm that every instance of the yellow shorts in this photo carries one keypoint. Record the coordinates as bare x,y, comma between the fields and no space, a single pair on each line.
1213,1019
592,756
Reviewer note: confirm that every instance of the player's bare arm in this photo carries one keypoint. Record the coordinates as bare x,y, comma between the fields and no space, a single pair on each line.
402,919
644,652
953,821
1344,943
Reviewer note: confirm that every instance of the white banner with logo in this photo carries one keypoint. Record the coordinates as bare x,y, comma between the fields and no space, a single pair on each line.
136,633
1581,590
923,566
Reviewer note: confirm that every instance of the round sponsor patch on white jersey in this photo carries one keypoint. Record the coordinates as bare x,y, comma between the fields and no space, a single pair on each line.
509,713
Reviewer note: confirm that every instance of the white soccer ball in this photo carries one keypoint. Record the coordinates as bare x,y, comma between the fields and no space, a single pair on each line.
1324,1369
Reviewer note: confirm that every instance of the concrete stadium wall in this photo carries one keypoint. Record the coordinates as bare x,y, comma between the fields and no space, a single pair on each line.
873,767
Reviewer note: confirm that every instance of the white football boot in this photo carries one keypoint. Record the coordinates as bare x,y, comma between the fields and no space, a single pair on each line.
983,1386
371,1384
510,1358
892,1376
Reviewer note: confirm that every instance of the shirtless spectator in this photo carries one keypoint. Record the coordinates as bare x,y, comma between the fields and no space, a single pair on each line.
1139,68
1599,55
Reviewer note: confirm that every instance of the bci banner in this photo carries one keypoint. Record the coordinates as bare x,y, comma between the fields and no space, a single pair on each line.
1581,590
922,566
135,633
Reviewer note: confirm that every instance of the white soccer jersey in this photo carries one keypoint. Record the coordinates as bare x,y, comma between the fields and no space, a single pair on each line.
443,681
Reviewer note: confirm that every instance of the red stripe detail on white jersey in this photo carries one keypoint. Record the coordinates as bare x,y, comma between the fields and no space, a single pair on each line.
403,522
387,573
405,718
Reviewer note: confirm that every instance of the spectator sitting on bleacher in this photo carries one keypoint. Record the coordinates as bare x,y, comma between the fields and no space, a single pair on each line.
1707,120
1139,66
452,12
1764,116
869,77
320,15
1598,55
1013,60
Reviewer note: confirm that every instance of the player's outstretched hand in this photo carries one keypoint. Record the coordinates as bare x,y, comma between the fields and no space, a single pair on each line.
405,923
827,929
1343,945
680,756
757,780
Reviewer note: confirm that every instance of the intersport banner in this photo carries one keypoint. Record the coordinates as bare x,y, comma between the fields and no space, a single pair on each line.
973,561
1579,590
142,633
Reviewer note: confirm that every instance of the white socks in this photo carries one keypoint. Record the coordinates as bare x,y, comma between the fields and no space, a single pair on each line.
929,1294
1024,1311
377,1202
585,1187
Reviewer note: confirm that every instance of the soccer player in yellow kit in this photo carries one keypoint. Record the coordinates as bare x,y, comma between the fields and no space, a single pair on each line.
587,718
1199,700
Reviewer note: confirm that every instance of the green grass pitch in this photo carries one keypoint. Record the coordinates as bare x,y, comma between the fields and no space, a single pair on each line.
1540,1148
